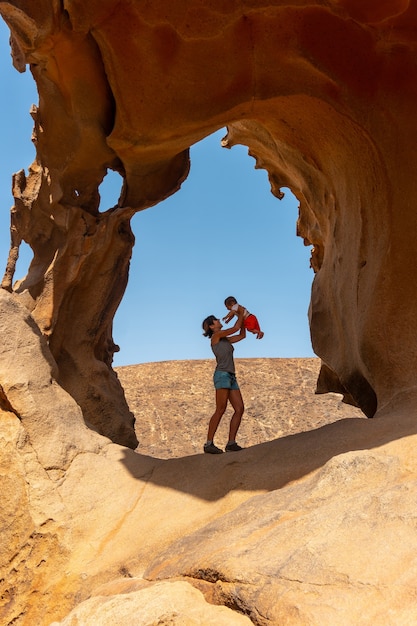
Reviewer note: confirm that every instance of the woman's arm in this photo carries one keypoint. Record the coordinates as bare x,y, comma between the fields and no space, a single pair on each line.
240,336
231,331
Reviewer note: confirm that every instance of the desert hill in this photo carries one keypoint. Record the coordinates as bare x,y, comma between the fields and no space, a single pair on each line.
172,402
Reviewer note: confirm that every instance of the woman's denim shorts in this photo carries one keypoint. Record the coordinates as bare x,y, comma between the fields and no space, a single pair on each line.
225,380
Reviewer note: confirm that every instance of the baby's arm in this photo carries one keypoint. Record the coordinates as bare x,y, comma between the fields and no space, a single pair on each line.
229,316
237,310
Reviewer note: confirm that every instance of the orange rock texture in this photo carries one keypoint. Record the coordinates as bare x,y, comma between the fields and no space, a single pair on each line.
323,93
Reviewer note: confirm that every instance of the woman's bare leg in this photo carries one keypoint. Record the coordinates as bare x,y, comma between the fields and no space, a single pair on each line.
222,396
236,401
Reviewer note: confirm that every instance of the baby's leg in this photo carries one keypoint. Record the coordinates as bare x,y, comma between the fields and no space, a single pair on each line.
252,325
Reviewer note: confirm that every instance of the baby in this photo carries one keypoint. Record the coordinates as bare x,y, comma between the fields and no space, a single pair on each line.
250,321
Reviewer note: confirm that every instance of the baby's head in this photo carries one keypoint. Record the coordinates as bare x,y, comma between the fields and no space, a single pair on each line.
229,302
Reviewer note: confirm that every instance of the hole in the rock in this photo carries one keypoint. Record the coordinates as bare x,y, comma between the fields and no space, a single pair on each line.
222,234
23,262
110,190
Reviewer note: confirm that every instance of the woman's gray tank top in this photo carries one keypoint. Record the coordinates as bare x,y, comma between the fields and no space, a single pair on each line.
223,351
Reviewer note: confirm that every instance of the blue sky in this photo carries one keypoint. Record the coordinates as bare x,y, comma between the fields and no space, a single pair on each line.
222,234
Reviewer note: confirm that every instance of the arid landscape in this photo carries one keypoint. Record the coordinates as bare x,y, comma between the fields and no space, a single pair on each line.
173,401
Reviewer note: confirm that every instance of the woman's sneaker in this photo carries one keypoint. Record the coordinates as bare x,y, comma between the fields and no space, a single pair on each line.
210,448
233,447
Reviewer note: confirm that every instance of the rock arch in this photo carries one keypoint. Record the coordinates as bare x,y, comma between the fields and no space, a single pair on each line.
322,94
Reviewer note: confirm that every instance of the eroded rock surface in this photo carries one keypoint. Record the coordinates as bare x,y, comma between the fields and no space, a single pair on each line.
163,604
323,94
298,529
307,528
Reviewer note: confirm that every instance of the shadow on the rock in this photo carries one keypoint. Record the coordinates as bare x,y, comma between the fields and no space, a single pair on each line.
267,466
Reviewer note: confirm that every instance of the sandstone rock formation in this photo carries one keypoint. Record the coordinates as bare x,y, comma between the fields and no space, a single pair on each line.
310,527
321,93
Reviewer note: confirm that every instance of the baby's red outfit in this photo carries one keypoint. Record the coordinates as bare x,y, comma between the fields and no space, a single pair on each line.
251,323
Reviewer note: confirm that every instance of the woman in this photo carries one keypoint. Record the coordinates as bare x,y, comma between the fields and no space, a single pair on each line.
224,379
